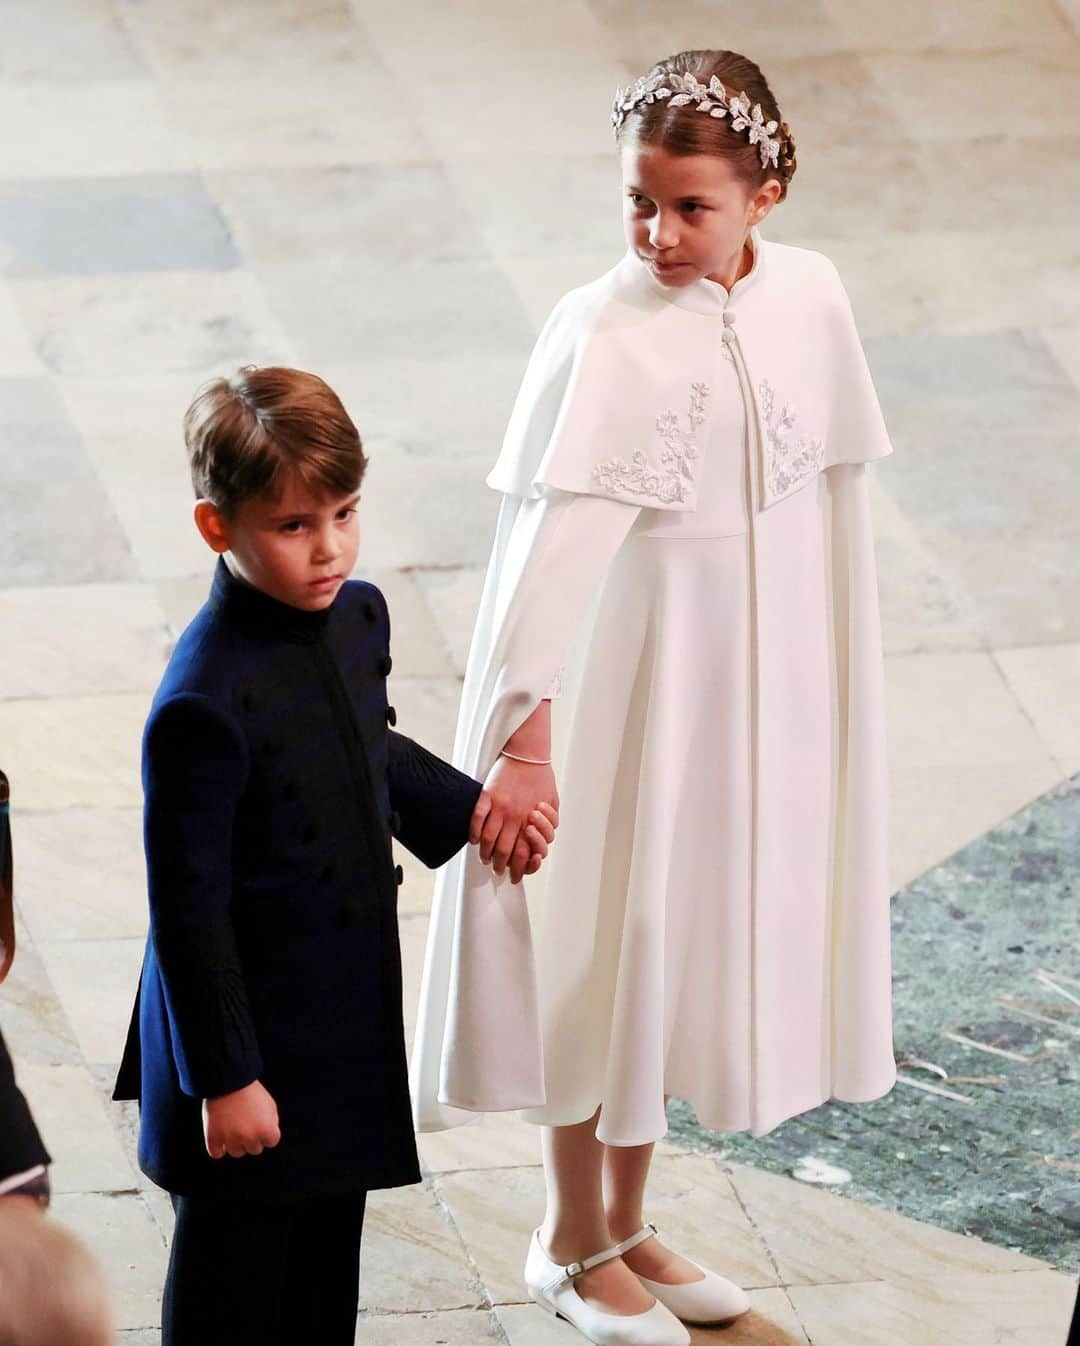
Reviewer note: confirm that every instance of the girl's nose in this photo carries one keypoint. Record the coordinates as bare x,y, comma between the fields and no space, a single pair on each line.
663,232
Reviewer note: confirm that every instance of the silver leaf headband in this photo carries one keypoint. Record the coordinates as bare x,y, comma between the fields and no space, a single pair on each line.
712,98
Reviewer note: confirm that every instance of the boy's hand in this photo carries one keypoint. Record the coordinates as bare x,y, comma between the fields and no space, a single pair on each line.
243,1122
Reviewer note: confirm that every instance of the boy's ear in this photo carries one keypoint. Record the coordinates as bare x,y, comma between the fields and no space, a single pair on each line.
210,522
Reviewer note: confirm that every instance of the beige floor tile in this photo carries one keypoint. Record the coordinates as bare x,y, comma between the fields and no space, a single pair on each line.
18,358
495,1212
87,1155
962,29
82,874
427,710
69,42
816,1237
95,982
1046,682
124,1239
71,752
329,116
540,282
415,640
453,598
148,407
412,1258
81,640
106,129
935,810
495,1140
959,1309
974,82
198,323
465,1327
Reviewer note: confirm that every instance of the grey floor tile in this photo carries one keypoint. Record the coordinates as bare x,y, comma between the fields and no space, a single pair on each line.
384,214
59,527
107,225
65,41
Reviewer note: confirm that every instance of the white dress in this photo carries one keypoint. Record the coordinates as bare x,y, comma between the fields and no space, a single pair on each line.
712,922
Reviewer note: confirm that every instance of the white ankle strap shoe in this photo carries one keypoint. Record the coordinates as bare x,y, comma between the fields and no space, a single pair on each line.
712,1299
552,1287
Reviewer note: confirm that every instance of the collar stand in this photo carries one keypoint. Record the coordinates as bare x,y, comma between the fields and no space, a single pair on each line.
241,605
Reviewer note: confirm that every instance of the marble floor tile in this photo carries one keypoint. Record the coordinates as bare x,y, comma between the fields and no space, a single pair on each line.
957,1309
307,117
121,1234
65,42
86,1154
643,33
974,82
453,598
95,982
414,895
1064,343
384,214
494,1140
18,358
463,1327
421,311
817,92
59,527
206,39
200,323
82,874
958,29
34,1024
412,1258
818,1237
495,1212
80,640
540,282
427,710
1044,679
97,765
110,226
415,641
107,128
454,407
132,405
541,204
182,598
934,810
430,512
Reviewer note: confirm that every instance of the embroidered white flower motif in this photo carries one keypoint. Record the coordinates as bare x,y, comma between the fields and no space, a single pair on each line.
669,482
790,460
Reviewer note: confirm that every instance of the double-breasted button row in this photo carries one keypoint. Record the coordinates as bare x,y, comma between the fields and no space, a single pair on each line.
369,611
383,665
399,876
391,716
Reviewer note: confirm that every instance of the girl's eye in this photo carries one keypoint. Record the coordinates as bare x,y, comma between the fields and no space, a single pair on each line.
637,199
691,206
345,513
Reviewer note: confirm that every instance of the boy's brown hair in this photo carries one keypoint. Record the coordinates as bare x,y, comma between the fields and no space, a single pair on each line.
244,433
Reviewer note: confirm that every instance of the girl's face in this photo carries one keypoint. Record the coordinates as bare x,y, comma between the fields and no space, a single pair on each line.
687,216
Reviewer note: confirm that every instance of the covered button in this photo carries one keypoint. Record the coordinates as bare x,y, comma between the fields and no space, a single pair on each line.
391,716
384,665
729,317
399,876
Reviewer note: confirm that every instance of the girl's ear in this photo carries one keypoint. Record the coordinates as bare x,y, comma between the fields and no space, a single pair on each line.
764,200
211,523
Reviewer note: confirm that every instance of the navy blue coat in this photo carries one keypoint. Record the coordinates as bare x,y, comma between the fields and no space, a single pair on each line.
272,787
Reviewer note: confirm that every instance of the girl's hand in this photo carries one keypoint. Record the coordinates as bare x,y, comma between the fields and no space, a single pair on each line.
243,1122
513,790
531,848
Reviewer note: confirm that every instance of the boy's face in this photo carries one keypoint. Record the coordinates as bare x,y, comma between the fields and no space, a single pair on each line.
299,548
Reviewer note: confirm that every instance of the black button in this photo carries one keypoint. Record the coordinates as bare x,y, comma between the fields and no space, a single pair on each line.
249,701
383,665
291,792
395,821
308,833
344,919
369,611
391,716
399,875
326,873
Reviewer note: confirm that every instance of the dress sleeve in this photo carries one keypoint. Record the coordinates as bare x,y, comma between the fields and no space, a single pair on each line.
194,770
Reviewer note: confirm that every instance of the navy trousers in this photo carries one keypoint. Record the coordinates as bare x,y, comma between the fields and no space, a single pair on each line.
261,1273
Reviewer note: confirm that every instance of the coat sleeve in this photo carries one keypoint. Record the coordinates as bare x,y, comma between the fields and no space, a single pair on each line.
432,801
194,770
21,1146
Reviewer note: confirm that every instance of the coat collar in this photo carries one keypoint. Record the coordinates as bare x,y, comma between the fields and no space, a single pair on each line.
707,297
242,605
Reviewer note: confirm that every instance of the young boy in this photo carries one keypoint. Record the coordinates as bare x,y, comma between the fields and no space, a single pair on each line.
267,1048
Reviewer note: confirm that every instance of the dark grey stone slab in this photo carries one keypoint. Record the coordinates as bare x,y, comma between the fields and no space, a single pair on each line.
970,930
56,523
101,226
372,212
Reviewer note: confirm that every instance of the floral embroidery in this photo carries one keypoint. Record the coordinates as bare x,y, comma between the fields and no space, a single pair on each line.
669,482
790,460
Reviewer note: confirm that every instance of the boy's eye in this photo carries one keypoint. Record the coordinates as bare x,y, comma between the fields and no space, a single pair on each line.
293,526
343,514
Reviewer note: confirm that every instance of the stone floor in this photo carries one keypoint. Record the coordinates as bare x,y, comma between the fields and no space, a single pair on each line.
394,194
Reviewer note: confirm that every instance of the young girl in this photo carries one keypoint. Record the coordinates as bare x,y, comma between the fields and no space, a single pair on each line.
684,491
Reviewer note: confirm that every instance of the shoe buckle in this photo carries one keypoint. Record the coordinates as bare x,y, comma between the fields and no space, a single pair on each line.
574,1269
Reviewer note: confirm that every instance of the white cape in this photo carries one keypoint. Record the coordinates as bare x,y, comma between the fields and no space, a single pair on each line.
614,405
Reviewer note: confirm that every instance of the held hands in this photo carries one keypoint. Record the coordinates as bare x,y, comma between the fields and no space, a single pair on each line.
243,1122
511,828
